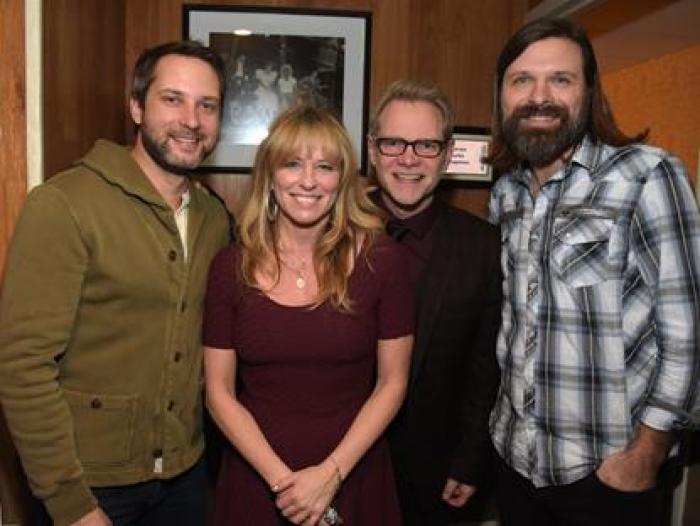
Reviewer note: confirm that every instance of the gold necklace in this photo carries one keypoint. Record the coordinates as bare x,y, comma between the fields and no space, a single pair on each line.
300,282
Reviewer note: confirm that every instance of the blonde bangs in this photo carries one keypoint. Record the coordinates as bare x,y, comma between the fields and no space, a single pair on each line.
295,138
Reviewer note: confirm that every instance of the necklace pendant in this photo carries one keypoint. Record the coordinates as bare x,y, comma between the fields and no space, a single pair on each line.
301,282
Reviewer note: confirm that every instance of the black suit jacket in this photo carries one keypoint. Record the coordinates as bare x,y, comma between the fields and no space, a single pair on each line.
442,428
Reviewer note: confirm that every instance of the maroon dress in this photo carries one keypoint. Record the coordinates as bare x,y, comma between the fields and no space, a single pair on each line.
304,374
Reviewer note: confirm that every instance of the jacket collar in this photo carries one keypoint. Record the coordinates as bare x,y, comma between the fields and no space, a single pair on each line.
115,164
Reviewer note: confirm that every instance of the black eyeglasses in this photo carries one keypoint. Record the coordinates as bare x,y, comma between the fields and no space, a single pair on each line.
393,146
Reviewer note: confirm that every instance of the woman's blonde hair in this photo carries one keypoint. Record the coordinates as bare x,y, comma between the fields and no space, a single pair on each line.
352,225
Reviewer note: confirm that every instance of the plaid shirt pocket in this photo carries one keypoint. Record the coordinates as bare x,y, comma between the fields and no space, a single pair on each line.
580,253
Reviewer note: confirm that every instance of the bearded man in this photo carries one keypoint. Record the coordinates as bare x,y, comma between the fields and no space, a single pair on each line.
598,346
100,315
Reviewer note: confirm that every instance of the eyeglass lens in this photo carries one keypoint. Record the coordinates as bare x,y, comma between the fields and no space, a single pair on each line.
421,147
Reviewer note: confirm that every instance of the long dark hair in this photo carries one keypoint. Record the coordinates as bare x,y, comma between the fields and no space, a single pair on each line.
601,125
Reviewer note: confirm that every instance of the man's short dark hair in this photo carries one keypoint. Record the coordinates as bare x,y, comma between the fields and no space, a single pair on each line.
145,67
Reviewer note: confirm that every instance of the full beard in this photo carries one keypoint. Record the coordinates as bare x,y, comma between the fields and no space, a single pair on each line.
162,155
541,147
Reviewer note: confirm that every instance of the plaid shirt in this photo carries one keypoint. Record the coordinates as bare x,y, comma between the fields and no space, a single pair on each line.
600,323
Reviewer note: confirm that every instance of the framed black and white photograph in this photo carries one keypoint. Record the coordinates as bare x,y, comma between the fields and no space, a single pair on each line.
275,57
470,147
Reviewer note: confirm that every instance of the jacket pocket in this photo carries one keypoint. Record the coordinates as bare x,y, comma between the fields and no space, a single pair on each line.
103,426
580,249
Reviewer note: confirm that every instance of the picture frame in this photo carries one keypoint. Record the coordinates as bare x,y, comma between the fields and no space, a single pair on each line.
470,145
276,56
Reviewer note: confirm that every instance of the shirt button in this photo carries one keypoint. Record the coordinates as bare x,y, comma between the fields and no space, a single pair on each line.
96,403
172,255
157,453
177,357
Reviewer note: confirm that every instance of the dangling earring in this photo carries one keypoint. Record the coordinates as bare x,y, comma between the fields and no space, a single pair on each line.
272,208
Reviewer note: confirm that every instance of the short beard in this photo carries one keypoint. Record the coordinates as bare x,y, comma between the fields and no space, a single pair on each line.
159,154
540,147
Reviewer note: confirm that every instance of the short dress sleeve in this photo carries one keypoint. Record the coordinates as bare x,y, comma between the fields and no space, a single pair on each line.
397,295
220,301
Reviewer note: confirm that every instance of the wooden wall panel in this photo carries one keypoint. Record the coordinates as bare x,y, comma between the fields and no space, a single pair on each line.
84,86
13,124
395,42
601,17
459,45
453,42
13,188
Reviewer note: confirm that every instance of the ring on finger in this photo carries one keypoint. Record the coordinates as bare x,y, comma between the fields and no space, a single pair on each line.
331,517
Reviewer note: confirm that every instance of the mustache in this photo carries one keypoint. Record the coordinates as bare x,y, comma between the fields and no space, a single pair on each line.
540,110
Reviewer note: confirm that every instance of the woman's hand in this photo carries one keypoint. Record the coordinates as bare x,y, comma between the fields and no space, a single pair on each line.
304,496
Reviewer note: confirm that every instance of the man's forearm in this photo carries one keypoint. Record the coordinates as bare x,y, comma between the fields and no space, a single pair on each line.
651,444
636,467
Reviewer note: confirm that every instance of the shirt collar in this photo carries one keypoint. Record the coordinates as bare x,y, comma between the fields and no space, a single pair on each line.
185,202
419,224
588,154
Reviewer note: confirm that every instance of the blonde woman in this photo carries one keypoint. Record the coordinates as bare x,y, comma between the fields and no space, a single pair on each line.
307,334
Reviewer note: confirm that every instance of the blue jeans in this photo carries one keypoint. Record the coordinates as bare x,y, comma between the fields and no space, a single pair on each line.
179,501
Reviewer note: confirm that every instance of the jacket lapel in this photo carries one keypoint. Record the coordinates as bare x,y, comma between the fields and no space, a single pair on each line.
431,289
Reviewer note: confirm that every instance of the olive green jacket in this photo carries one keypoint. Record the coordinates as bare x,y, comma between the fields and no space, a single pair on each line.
100,324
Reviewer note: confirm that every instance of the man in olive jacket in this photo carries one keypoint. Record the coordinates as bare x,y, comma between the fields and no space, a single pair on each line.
101,310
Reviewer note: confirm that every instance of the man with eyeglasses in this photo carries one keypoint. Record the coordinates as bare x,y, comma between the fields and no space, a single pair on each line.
440,437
